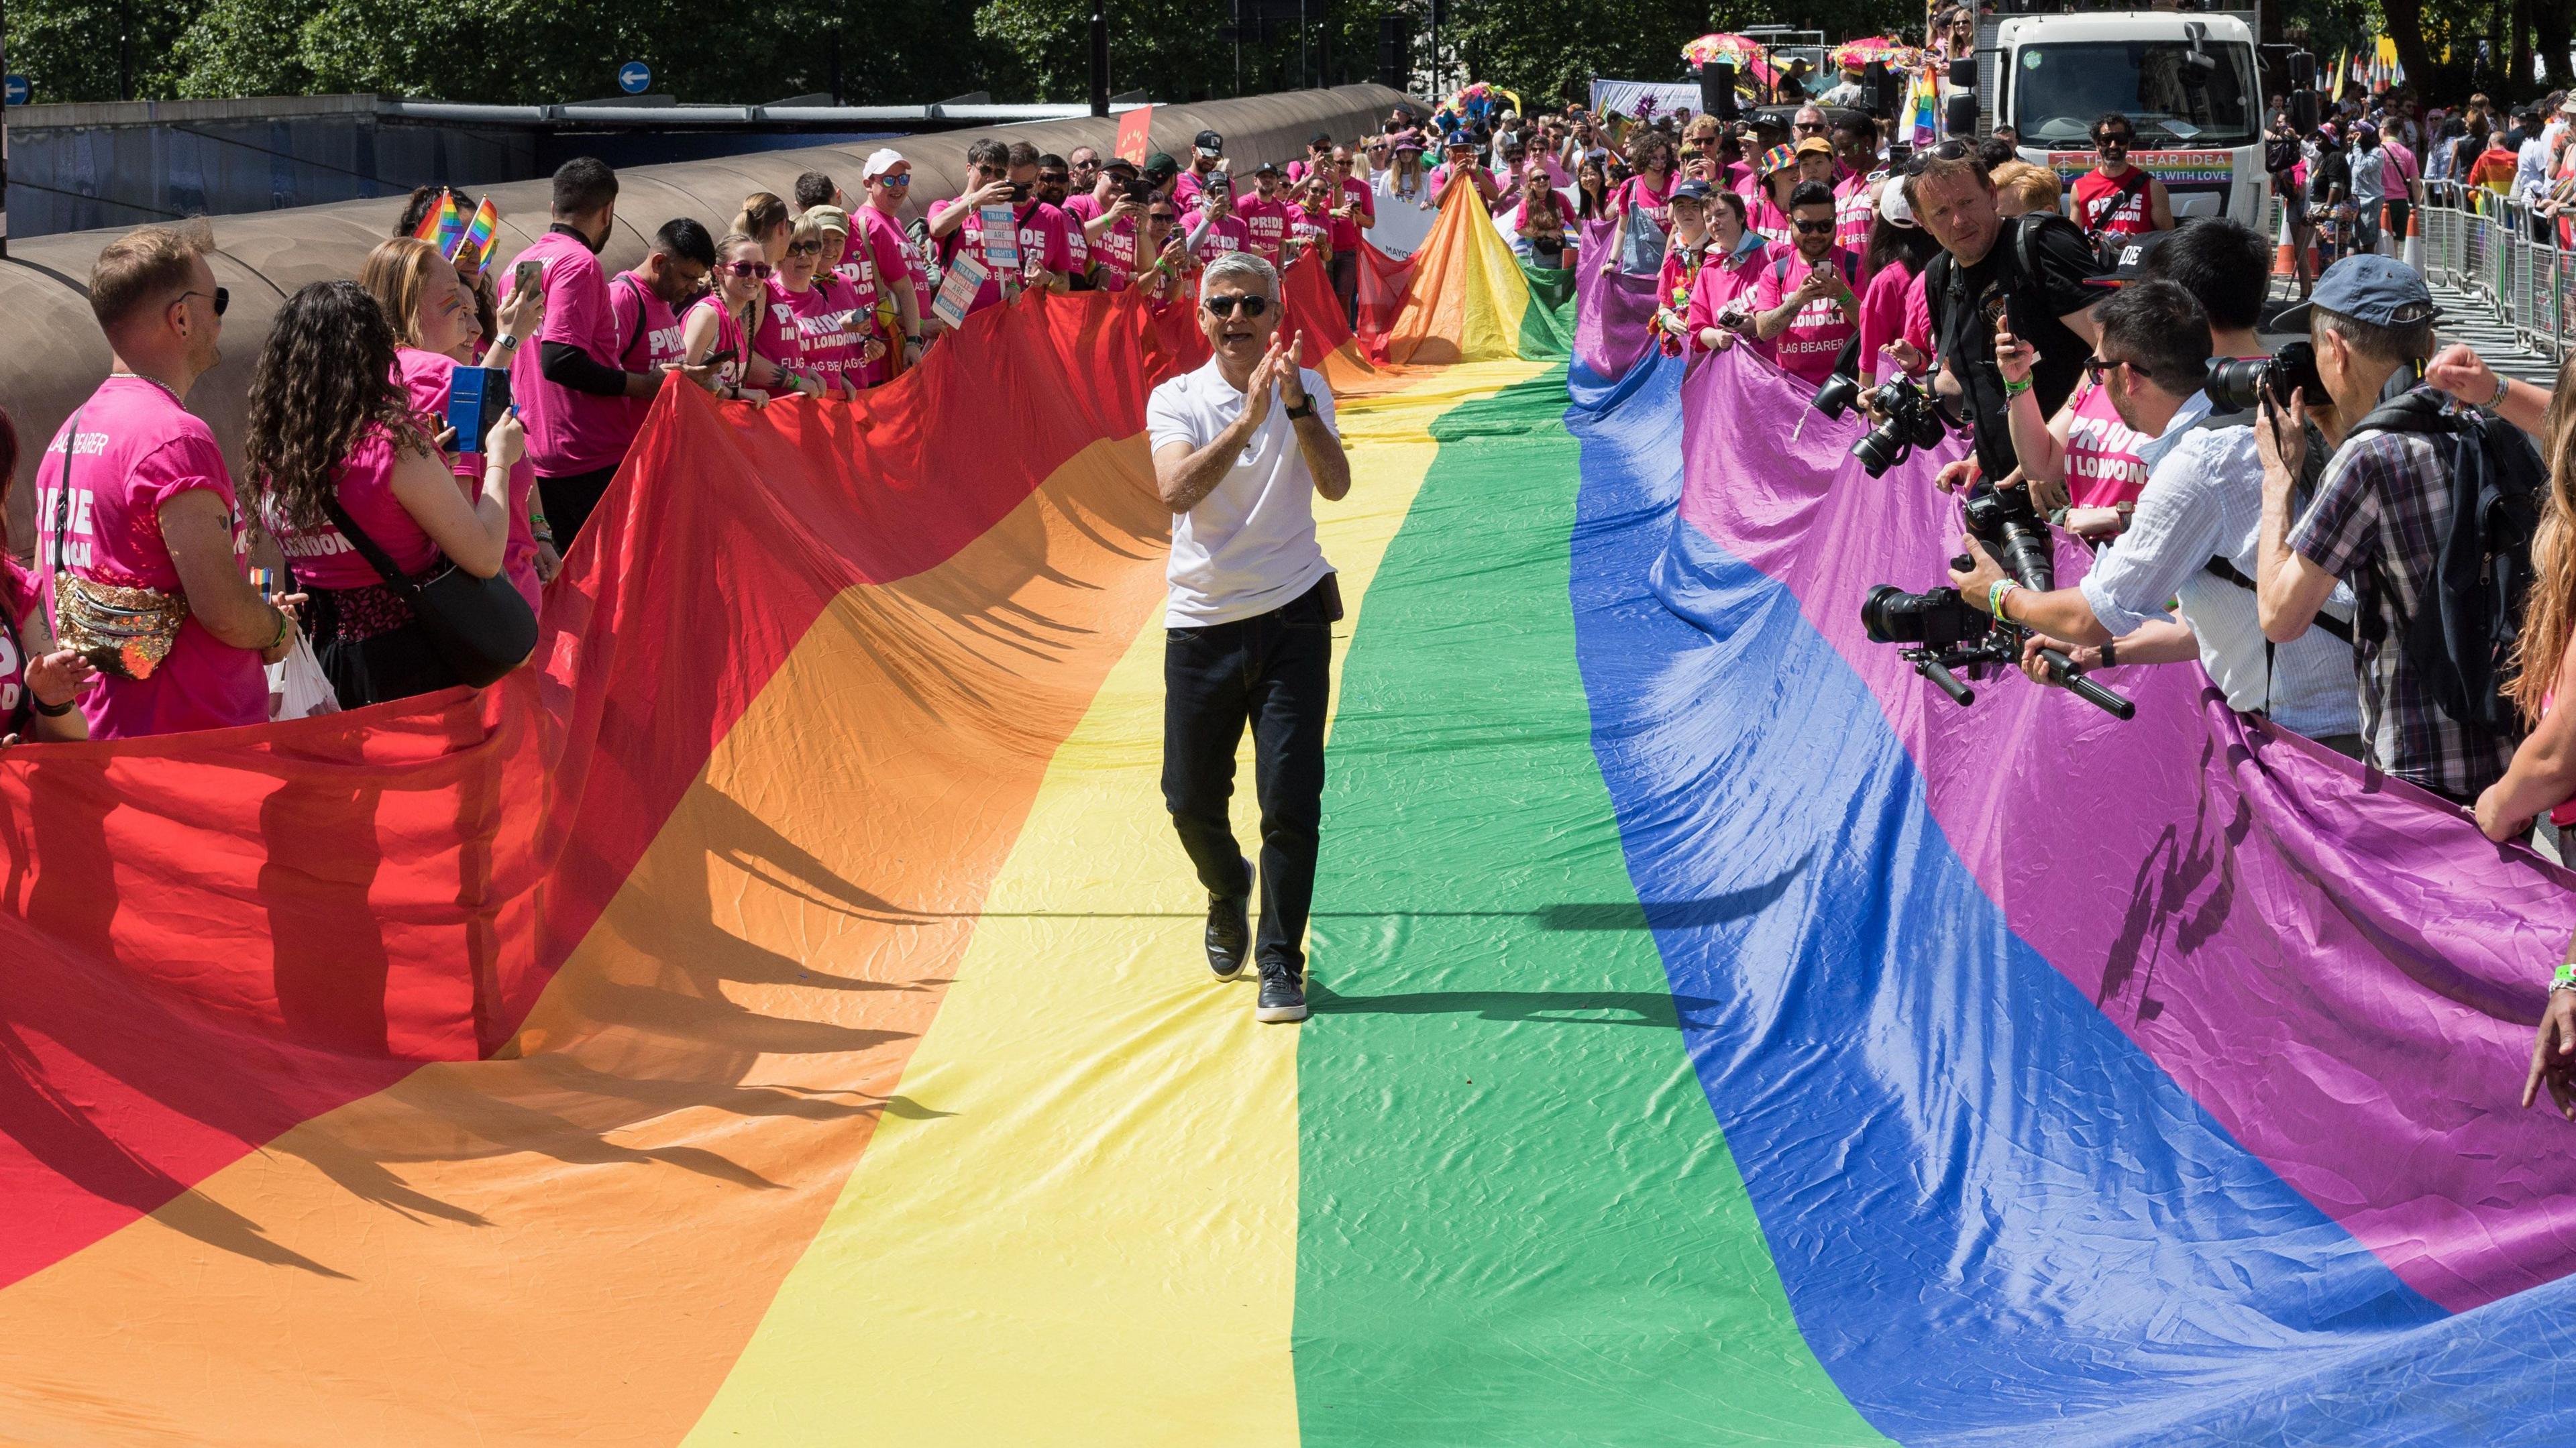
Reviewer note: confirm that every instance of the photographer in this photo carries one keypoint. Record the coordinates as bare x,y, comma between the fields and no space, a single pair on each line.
2033,274
2203,501
2378,521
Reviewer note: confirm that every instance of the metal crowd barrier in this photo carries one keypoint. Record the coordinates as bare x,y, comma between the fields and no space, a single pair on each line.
2510,260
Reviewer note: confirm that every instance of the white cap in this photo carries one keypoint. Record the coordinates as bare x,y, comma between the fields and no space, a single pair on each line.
880,162
1892,204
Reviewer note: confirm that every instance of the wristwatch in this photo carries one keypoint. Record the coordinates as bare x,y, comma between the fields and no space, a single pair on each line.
1303,409
2110,659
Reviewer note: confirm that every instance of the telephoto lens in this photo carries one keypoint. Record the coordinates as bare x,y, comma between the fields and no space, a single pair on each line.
2237,383
1935,620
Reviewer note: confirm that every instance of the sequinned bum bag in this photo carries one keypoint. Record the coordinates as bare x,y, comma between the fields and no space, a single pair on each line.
125,633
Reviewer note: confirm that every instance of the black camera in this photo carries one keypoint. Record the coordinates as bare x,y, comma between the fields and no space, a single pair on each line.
1838,394
2237,383
1938,621
2009,524
1909,422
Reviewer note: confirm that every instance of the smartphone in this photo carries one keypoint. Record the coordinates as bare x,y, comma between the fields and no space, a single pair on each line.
477,399
528,277
1019,191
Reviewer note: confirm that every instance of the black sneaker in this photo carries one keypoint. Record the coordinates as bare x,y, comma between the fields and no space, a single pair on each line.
1283,994
1229,933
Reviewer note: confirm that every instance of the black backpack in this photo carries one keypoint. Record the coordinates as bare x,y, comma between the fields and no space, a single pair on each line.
2462,635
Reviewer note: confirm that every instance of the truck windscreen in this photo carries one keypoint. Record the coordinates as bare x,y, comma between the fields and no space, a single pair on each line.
2174,95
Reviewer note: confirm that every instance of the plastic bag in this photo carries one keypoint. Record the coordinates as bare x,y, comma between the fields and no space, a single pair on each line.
297,687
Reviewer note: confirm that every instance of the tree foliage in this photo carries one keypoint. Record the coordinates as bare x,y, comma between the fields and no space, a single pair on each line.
529,51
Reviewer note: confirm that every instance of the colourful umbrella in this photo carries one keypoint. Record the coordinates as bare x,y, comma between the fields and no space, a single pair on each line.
1853,54
1742,52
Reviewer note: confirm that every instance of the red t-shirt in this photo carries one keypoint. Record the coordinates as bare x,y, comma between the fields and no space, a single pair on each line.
425,375
2102,209
568,431
1815,337
137,450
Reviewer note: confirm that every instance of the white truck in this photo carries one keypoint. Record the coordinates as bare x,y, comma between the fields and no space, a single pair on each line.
2187,79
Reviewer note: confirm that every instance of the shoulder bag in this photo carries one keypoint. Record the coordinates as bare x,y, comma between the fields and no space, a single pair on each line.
482,627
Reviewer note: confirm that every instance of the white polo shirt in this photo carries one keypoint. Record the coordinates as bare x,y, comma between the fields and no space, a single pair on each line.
1249,546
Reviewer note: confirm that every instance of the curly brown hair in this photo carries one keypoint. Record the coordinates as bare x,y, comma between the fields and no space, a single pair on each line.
325,380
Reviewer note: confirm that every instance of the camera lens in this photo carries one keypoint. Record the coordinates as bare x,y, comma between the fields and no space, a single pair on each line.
1837,395
2237,383
1882,447
1890,615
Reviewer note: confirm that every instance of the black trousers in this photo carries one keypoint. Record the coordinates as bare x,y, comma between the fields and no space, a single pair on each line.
569,500
1346,285
1272,672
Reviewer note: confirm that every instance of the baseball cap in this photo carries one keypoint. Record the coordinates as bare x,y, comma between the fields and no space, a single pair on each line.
1210,143
880,161
1893,205
829,218
1692,190
1409,141
1267,168
2130,264
2380,290
1814,145
1161,167
1116,164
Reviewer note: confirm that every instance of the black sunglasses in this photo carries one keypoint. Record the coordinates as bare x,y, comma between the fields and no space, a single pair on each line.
223,298
1251,307
1813,227
2112,138
2094,367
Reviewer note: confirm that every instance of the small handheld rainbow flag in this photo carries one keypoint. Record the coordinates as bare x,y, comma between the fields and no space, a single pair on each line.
475,242
439,222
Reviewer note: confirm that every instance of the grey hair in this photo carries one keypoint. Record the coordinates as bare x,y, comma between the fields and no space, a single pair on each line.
1242,263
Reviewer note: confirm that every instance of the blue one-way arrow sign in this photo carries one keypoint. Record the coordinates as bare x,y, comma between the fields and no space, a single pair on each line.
633,77
19,90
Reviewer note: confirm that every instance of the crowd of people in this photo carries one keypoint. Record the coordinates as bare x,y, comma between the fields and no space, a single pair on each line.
2289,549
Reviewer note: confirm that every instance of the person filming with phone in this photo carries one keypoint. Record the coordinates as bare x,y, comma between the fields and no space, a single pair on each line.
1242,447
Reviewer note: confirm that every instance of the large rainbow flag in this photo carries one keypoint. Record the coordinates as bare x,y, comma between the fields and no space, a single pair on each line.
777,1015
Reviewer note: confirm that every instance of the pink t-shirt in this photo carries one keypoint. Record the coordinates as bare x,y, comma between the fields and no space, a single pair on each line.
323,557
573,432
1853,215
425,375
1815,337
138,449
1655,202
1722,280
891,252
1266,223
1918,317
1224,234
778,337
832,330
1309,226
728,335
1882,317
1189,187
1346,232
2102,464
1673,285
1442,175
1115,252
1043,242
1764,215
18,598
648,335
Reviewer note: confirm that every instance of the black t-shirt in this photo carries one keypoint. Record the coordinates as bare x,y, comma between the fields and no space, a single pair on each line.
1964,314
2331,174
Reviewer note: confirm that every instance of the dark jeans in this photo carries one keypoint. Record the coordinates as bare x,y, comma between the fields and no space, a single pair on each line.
1346,285
1272,672
569,500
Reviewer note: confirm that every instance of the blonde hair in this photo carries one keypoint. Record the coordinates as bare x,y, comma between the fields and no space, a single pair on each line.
145,264
2549,609
762,213
2035,188
396,274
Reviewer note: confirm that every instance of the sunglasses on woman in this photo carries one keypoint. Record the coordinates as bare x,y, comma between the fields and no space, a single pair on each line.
804,248
1251,307
753,269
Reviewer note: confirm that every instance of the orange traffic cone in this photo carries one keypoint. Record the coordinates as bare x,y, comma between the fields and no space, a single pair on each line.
2284,261
2414,250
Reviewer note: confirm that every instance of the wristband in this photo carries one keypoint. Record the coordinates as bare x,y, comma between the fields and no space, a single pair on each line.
2565,979
2504,385
506,342
2016,389
1996,593
285,626
50,711
2110,660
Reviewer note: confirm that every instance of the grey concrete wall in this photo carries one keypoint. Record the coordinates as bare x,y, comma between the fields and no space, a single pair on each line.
52,356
